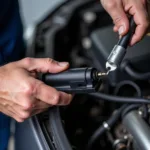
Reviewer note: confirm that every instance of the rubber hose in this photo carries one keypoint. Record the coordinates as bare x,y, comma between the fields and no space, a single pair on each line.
133,73
101,130
128,82
119,99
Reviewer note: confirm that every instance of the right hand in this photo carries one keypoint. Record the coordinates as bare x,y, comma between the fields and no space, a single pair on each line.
22,95
119,11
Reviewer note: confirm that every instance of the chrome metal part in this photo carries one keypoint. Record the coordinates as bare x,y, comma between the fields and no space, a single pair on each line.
115,58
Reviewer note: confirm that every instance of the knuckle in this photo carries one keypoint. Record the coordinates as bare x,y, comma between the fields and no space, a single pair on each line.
28,105
29,89
111,5
27,61
117,20
55,99
50,60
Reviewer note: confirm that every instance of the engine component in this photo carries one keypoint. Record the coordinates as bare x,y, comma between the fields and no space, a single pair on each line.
106,126
138,128
120,144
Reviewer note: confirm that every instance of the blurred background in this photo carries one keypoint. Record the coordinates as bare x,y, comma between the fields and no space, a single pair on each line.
34,10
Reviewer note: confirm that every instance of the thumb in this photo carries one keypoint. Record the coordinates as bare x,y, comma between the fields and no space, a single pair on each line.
43,65
118,15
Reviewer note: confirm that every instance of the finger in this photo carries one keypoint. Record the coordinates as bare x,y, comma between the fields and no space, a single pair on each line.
141,19
51,96
41,105
115,29
27,102
7,105
117,13
43,65
65,99
35,112
21,112
138,35
47,94
14,114
9,113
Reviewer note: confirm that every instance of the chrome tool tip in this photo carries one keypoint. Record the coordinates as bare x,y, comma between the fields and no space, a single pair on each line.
110,67
102,74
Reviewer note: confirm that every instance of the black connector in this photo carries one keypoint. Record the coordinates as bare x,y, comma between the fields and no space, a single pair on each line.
78,80
125,40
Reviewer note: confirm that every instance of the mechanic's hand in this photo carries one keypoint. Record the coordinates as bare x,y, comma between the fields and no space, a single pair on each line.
120,9
22,95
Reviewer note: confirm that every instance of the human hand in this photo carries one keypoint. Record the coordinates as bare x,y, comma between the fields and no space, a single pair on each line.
22,95
119,10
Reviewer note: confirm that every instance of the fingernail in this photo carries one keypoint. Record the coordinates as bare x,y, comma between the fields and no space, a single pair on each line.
63,64
121,30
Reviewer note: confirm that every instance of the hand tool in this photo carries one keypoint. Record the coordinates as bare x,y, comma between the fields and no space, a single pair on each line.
77,80
118,52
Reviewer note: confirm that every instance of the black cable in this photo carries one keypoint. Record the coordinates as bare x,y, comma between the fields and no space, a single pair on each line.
135,107
129,109
128,82
119,99
145,112
138,91
101,130
137,75
133,73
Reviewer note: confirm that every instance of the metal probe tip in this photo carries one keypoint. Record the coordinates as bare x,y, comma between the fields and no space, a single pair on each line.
102,74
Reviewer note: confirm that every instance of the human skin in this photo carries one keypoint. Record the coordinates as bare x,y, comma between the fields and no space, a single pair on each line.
22,95
119,10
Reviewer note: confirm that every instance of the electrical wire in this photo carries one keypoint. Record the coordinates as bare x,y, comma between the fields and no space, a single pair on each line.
129,109
137,75
130,83
133,73
119,99
145,112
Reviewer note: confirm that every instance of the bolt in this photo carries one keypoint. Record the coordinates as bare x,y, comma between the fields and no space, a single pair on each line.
106,126
140,113
89,17
125,137
86,42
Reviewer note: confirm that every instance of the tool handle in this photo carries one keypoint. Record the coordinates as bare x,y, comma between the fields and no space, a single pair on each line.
125,40
77,80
